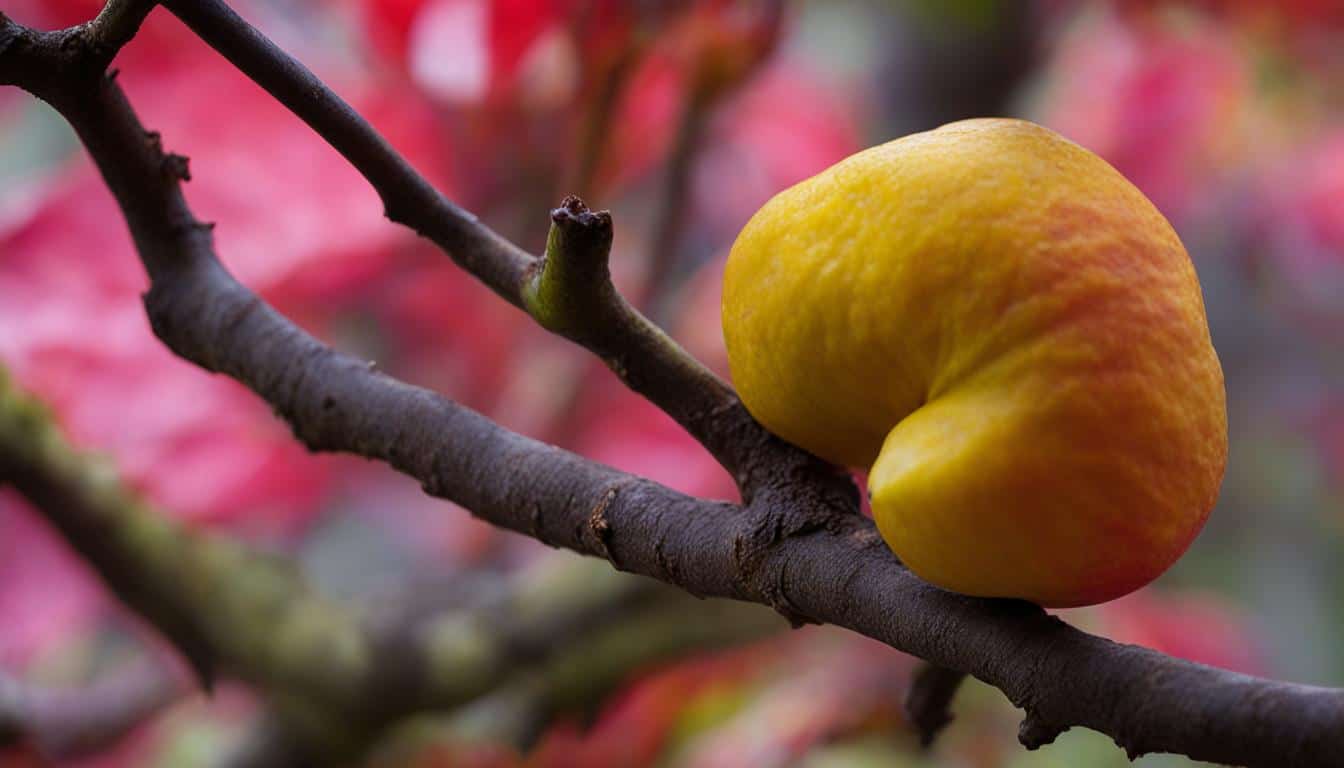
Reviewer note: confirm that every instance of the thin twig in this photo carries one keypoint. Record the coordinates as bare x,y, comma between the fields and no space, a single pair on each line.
596,123
674,209
408,198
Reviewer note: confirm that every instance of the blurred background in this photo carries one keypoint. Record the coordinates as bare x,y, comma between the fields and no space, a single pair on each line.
682,118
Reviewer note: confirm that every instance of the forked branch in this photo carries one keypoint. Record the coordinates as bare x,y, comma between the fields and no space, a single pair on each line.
797,545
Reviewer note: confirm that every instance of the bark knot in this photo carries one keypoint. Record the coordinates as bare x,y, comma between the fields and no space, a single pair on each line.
599,526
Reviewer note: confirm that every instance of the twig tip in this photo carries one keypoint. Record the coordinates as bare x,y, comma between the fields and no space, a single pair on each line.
573,210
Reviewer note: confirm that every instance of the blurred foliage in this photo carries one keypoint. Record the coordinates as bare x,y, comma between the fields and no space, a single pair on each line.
1228,113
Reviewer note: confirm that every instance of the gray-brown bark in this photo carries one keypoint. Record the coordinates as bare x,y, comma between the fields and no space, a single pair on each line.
798,544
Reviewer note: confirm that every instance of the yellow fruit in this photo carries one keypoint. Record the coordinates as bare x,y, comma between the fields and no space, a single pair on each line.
1011,336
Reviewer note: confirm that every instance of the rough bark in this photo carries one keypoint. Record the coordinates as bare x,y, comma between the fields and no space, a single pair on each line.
797,545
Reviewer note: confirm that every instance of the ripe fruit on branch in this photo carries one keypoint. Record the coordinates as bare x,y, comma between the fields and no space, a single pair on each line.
1011,336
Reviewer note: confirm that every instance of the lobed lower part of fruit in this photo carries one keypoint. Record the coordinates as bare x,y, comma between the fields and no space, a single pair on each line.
1010,336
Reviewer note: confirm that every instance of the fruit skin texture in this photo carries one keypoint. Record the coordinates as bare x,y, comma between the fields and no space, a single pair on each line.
1012,337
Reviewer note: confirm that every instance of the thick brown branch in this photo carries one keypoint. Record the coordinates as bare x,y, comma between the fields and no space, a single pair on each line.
78,54
781,550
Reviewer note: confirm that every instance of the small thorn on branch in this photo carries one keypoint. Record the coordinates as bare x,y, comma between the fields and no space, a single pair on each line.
177,166
796,620
1036,732
928,702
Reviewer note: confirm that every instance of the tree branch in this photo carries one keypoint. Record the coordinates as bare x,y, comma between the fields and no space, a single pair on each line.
789,548
332,671
219,602
114,26
408,198
578,681
641,355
